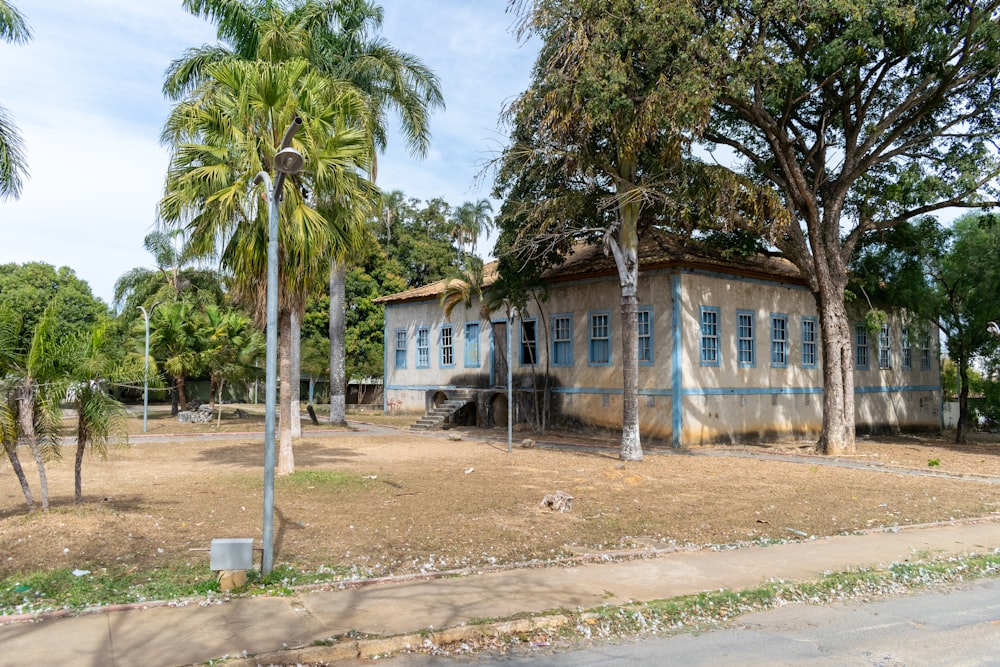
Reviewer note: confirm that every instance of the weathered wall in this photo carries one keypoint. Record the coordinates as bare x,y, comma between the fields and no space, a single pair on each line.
726,399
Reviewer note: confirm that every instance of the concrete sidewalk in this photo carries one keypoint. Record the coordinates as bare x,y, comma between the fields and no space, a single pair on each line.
193,633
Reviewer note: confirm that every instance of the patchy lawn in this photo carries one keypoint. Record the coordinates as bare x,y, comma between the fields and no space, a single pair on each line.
403,503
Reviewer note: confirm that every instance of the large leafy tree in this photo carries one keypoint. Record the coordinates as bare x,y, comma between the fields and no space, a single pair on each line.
967,281
13,166
228,130
861,115
598,140
28,289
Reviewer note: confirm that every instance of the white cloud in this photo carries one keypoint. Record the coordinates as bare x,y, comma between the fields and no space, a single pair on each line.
86,93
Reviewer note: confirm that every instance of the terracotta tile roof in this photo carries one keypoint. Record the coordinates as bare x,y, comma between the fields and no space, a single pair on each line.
590,260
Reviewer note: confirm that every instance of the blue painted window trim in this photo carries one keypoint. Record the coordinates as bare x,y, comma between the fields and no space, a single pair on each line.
472,344
446,339
885,347
810,342
599,338
528,346
709,322
400,335
861,351
905,349
779,340
562,339
746,339
925,352
423,347
644,320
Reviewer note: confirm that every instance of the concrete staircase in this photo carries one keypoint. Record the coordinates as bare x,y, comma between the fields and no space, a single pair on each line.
436,415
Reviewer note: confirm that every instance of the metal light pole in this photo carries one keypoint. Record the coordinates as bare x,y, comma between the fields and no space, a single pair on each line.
511,316
145,375
286,161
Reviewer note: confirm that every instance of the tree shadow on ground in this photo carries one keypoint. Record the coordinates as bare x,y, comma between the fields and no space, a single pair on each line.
251,454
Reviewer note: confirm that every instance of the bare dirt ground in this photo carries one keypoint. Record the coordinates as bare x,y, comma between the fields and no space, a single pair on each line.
401,503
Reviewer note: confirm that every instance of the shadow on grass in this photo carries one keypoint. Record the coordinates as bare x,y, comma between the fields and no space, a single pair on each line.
250,454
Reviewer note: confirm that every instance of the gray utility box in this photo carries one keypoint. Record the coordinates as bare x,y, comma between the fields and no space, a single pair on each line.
231,553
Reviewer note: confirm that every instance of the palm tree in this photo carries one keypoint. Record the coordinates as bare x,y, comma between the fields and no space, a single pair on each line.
232,345
173,340
470,220
101,420
333,35
176,275
224,133
13,169
32,378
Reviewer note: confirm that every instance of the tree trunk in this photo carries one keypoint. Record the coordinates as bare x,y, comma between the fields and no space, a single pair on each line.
838,374
26,417
181,397
626,257
295,384
962,426
338,328
174,409
15,463
81,445
286,458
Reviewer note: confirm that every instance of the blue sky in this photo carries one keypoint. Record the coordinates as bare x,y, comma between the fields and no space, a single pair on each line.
86,95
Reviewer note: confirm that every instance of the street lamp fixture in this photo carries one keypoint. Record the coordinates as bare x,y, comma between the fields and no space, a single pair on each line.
993,328
286,161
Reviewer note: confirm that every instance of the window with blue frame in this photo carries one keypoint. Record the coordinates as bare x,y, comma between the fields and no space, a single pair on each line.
746,342
709,336
423,347
562,339
599,339
884,350
779,340
925,351
529,343
447,346
645,327
810,342
400,348
472,344
905,348
861,347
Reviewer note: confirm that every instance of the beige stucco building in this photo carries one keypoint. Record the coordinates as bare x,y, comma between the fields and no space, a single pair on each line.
729,351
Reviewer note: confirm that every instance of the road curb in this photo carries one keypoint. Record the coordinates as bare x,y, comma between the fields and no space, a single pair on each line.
368,649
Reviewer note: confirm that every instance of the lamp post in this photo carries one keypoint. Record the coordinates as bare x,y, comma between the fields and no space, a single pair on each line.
145,375
286,161
511,316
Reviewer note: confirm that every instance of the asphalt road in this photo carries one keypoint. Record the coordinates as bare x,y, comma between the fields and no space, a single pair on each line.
956,627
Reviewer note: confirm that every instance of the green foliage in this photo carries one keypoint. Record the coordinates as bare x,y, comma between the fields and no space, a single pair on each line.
934,462
28,289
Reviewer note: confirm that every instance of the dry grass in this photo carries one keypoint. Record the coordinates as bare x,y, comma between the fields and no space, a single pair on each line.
403,503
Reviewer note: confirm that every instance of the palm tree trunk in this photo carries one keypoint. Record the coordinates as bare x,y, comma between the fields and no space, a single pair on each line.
338,327
295,385
286,458
26,417
15,463
181,398
81,446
